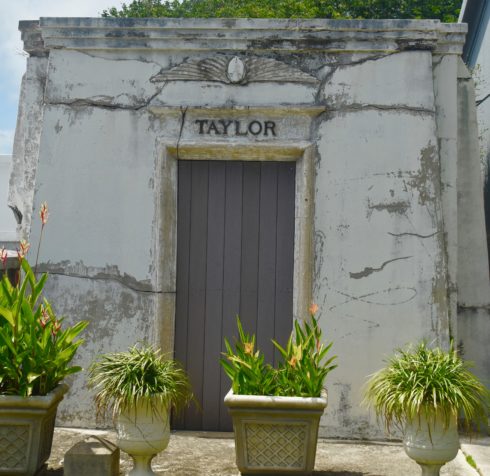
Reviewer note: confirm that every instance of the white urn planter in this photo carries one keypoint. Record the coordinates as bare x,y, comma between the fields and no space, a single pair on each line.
431,443
26,431
275,435
143,431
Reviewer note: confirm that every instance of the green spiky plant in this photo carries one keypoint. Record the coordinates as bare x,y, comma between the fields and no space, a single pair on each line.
426,381
123,378
301,373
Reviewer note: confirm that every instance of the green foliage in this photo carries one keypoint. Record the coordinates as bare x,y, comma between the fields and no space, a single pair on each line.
301,373
471,461
305,365
122,378
246,368
426,381
35,353
445,10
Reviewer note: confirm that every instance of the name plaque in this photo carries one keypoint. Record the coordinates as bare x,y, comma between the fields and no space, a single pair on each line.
228,127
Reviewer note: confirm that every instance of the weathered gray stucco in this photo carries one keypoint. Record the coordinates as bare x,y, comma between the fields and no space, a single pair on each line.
473,280
367,109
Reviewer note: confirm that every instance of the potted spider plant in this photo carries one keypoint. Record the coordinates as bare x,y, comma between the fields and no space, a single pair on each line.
140,387
36,350
422,391
276,411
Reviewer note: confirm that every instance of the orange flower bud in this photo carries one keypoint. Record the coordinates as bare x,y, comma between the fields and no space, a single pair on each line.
292,361
249,348
313,309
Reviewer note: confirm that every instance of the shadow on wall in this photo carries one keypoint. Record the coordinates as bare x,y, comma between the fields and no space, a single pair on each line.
7,221
486,201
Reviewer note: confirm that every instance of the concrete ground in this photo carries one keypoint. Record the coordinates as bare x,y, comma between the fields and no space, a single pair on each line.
212,454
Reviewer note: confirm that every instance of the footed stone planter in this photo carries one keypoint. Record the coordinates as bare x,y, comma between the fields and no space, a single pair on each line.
142,432
26,431
275,435
431,443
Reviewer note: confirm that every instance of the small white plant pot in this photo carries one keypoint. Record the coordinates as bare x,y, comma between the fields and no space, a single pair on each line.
431,442
143,431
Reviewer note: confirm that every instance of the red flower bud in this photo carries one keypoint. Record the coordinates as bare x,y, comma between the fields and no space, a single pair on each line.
44,213
56,328
3,256
24,248
43,321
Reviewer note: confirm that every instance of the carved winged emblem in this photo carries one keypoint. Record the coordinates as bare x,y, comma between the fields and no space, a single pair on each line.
234,70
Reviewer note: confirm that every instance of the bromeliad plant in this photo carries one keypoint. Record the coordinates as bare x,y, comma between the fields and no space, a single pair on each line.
35,352
305,363
429,382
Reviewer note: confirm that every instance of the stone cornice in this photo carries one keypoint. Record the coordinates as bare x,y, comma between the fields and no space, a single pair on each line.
32,38
258,35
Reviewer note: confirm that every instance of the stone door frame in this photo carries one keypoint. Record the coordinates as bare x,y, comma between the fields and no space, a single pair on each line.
165,246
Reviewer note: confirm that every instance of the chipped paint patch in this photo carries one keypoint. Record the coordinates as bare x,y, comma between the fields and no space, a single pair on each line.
399,207
426,179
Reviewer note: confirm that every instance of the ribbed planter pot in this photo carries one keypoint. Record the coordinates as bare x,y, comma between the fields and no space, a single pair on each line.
142,432
431,443
26,431
275,435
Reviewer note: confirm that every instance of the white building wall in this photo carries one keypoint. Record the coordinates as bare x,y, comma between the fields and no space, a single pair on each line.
373,103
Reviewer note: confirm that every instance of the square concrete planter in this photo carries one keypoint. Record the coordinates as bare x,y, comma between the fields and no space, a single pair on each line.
275,435
26,431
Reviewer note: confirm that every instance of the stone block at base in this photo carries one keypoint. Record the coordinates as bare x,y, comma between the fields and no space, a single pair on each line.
93,456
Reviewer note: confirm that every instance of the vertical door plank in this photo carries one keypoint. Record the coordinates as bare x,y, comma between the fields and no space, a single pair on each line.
284,253
250,246
197,287
267,259
231,273
211,401
182,296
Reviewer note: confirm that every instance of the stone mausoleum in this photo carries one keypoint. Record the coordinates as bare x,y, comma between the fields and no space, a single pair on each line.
200,169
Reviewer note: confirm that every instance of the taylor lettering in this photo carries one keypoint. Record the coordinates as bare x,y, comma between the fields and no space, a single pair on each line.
227,127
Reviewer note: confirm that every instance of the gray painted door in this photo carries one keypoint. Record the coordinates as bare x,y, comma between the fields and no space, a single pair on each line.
235,253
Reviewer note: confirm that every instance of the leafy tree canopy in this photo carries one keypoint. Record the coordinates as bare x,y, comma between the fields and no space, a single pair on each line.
445,10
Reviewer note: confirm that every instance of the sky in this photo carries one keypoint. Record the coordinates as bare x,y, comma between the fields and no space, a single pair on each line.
12,57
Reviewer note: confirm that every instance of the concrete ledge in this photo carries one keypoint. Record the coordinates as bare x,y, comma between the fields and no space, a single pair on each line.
94,456
240,34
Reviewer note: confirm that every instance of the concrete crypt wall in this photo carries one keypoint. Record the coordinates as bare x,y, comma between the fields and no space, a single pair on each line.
367,109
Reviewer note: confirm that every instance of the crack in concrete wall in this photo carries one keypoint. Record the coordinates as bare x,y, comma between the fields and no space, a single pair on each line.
103,277
366,297
369,270
109,273
104,102
413,234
